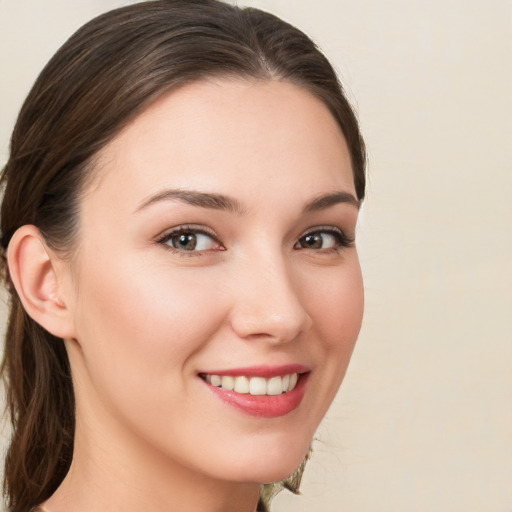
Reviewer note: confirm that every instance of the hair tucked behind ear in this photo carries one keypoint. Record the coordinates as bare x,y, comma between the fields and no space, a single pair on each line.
103,76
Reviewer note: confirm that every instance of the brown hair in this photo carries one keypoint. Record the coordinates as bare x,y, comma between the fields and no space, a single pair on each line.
100,79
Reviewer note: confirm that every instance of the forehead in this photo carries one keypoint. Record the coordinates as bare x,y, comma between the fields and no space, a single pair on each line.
233,136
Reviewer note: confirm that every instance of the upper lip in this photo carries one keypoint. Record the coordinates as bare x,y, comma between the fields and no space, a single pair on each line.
264,371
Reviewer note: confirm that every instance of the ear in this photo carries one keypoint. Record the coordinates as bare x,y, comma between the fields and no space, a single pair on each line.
33,272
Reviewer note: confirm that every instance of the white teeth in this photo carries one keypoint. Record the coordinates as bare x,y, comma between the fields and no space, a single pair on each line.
254,385
228,382
275,386
286,382
293,381
258,386
215,380
241,385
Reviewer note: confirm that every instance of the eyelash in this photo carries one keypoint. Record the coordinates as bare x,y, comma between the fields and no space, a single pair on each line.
341,239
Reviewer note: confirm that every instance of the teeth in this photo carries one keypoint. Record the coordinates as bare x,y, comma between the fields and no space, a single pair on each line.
286,382
215,380
258,386
241,385
227,382
254,385
293,380
275,386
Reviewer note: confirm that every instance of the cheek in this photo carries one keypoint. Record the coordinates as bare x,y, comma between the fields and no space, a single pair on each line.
147,326
336,306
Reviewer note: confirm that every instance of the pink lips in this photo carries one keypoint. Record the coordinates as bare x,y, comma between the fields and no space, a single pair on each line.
265,406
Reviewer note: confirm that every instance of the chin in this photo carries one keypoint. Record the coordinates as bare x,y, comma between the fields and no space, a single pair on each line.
271,463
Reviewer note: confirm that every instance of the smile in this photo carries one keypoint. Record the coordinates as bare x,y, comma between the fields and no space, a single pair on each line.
267,392
256,386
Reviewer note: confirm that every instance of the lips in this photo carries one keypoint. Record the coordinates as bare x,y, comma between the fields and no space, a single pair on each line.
259,391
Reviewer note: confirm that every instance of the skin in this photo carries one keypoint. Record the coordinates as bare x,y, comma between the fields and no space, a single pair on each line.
145,318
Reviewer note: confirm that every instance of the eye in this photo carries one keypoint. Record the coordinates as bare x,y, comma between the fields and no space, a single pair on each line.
324,239
185,239
191,242
317,241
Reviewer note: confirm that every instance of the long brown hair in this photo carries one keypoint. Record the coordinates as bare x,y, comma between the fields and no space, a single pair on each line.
100,79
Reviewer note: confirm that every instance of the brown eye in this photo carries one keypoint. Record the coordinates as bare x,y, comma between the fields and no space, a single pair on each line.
318,241
311,241
322,239
185,242
189,240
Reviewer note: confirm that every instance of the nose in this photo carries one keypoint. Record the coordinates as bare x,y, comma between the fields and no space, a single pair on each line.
267,302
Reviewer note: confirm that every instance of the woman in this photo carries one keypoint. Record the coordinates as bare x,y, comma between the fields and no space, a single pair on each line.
178,230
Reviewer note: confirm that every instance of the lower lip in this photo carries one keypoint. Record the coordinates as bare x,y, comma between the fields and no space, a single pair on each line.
264,406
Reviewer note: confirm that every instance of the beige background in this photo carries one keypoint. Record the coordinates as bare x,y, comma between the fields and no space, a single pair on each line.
424,420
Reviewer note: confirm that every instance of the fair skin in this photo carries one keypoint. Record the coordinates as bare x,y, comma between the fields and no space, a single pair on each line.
272,286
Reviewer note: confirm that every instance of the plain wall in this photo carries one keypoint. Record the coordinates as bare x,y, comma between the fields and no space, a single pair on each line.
423,421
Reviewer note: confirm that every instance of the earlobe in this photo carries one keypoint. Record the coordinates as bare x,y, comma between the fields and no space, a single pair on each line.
32,269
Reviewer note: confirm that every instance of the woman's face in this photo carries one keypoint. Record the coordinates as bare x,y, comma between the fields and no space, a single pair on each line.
216,247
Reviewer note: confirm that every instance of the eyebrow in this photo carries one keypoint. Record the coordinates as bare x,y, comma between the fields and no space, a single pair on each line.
221,202
202,199
325,201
